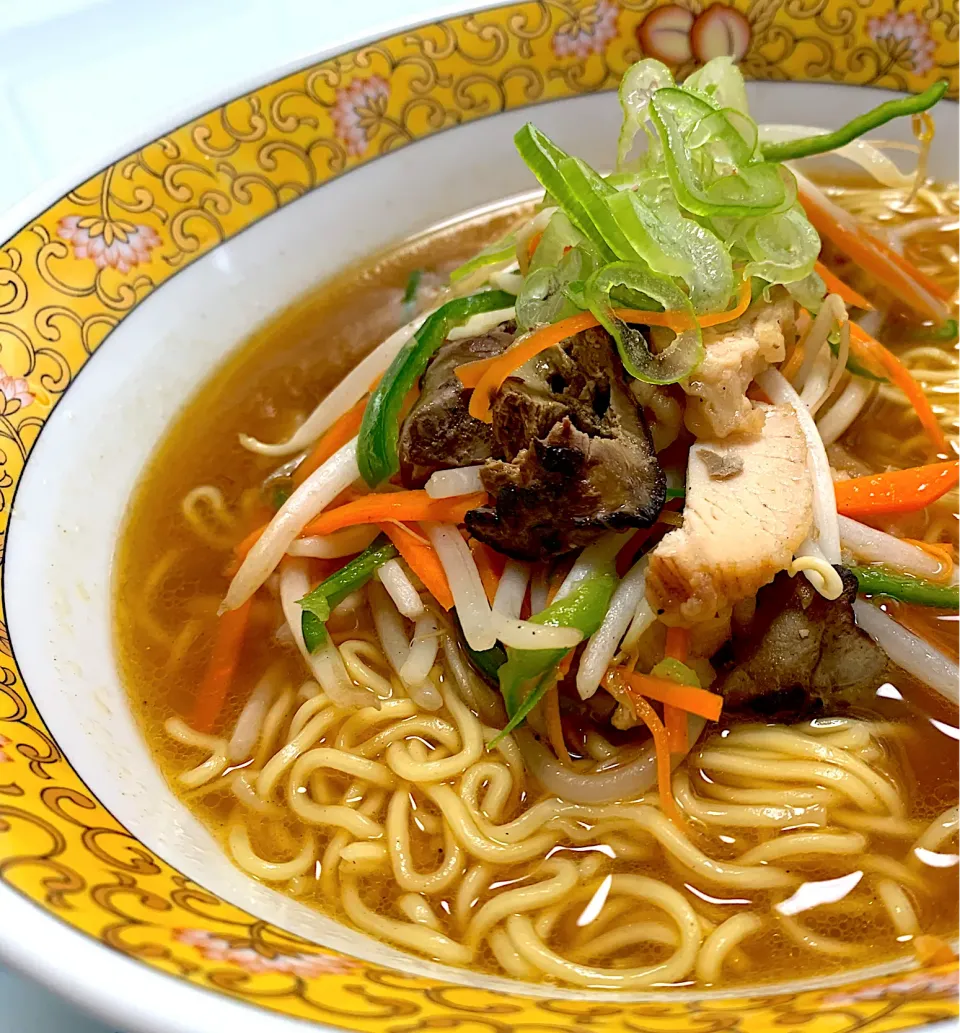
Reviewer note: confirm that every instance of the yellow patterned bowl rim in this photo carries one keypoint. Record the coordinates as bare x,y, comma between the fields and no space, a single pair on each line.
70,274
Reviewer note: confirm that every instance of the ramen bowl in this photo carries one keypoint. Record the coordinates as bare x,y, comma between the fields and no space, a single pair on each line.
120,297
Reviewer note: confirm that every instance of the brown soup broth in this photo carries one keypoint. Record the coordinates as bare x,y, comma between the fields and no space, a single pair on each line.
169,582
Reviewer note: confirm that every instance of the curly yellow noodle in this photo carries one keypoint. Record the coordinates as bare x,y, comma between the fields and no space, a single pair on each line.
288,753
880,864
532,948
794,744
471,749
901,912
238,840
417,908
369,717
241,785
363,858
533,883
563,877
421,727
722,941
359,656
276,718
497,779
401,856
152,584
207,770
331,759
615,941
877,825
799,844
801,935
406,934
792,771
209,517
731,815
472,887
465,830
612,911
508,958
308,708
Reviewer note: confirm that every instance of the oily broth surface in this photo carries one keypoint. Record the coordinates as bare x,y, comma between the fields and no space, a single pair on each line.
276,377
280,374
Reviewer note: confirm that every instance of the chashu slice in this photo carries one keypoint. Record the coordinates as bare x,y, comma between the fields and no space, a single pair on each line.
749,505
718,404
574,454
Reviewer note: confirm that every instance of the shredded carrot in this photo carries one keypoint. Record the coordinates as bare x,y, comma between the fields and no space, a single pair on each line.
757,394
212,693
897,491
486,375
421,559
533,244
557,577
794,361
648,716
395,505
676,647
686,697
675,723
851,298
339,433
242,547
409,401
551,714
414,532
490,564
628,554
573,734
864,345
932,951
898,275
939,551
563,668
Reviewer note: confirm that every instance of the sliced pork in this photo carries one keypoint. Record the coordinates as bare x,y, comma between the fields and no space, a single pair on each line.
749,505
718,405
801,654
575,457
439,433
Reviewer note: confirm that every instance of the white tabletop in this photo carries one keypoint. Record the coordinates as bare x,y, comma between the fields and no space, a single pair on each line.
82,79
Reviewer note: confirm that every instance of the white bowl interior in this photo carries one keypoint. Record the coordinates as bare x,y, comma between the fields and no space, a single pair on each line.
73,495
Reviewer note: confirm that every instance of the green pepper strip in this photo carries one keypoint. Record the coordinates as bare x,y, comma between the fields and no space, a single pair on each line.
946,332
377,454
856,367
493,255
808,145
410,291
876,581
281,492
487,661
318,603
672,669
528,673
